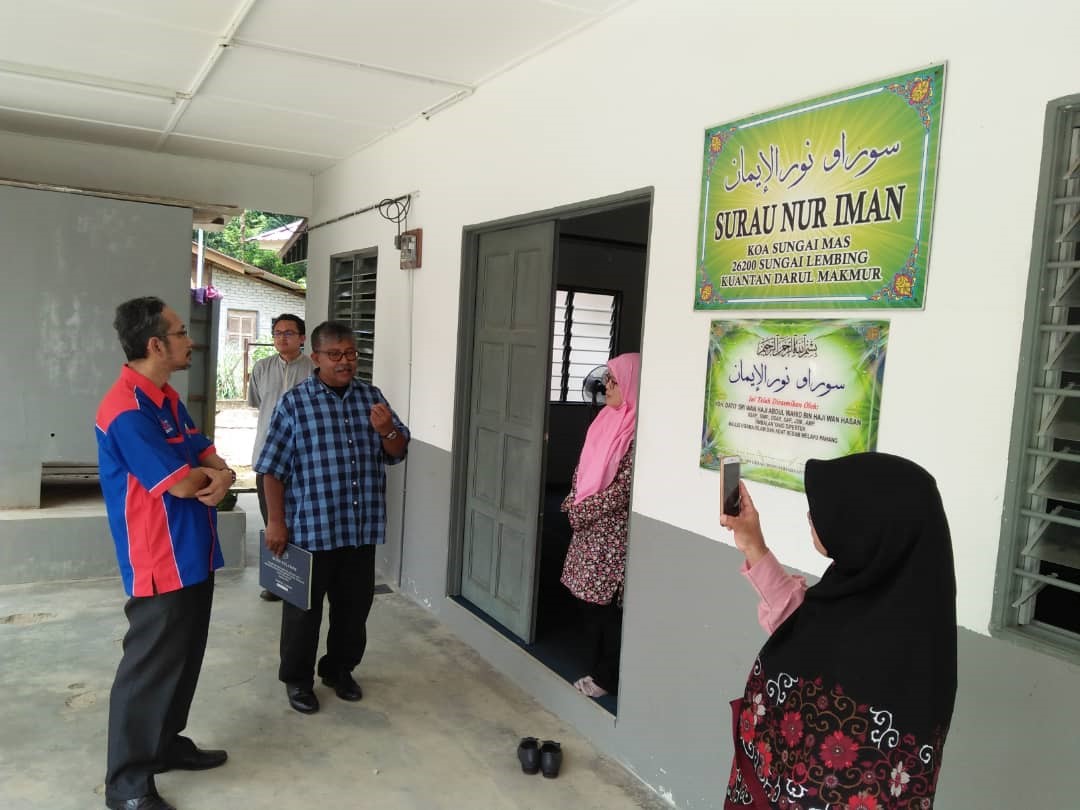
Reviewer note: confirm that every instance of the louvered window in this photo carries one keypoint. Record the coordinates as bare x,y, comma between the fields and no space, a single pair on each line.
584,338
1038,593
352,301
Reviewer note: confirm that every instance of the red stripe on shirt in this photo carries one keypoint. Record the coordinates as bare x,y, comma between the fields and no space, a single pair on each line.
162,486
153,562
118,400
139,554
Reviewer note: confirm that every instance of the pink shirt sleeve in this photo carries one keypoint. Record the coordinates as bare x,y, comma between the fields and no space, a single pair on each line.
781,593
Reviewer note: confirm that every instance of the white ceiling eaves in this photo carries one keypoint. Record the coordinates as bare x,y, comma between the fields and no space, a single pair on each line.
340,91
69,128
174,78
609,9
458,41
237,19
245,153
206,16
79,40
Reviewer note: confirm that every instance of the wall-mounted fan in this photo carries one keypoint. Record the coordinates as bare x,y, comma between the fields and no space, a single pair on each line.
593,388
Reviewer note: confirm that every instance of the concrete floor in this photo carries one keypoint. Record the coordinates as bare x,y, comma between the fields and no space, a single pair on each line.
437,728
234,438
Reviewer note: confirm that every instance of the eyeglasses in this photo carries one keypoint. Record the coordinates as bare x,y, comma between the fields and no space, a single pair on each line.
288,333
338,354
178,333
609,380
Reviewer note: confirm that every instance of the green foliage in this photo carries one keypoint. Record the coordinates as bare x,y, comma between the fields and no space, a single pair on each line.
259,352
230,373
235,240
297,271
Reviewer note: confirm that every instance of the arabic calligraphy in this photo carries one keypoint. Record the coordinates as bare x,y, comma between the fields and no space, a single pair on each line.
787,346
771,167
840,156
758,377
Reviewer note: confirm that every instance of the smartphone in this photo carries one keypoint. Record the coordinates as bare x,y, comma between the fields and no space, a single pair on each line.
729,485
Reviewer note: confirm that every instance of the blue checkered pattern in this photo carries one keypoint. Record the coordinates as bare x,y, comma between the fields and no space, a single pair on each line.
331,460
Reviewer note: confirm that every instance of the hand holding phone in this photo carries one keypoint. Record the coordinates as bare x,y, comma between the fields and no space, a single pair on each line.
739,514
729,485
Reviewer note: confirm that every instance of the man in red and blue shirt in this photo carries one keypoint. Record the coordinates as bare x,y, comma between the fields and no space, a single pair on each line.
161,479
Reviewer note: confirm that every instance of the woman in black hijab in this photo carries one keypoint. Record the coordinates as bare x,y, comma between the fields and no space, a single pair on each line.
849,702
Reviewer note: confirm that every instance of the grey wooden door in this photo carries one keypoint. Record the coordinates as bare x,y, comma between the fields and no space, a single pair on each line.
510,369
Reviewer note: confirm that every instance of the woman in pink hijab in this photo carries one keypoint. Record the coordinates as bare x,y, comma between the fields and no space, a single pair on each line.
598,508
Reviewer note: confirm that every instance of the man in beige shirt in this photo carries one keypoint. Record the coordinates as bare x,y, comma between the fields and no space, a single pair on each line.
270,378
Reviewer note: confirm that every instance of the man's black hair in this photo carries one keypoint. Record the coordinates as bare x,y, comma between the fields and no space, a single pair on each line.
136,322
331,331
288,316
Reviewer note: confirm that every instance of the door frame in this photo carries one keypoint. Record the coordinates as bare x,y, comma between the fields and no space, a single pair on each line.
470,241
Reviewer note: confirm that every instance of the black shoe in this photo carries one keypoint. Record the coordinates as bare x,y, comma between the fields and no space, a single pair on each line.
151,801
267,596
194,759
344,687
550,758
529,754
302,698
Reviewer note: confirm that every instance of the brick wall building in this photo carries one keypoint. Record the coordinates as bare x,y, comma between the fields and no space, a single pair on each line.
250,299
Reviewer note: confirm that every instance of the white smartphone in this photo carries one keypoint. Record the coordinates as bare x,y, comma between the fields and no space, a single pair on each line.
730,498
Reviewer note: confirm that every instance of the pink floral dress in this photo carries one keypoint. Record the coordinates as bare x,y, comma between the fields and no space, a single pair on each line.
596,560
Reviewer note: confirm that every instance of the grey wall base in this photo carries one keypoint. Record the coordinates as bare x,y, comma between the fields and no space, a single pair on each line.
690,635
44,549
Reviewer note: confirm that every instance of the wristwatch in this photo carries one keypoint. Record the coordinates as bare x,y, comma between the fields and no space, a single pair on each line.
391,435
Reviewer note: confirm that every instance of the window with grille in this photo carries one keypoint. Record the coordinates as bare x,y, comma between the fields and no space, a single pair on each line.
1038,589
240,326
352,301
584,338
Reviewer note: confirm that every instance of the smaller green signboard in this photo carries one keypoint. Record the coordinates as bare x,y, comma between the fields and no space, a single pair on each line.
778,392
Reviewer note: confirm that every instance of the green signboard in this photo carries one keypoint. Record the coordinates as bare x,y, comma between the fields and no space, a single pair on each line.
778,392
823,204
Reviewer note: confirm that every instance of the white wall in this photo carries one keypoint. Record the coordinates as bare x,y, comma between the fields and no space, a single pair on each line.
625,105
110,168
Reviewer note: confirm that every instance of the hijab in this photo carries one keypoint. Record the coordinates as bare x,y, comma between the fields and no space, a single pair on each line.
853,694
611,432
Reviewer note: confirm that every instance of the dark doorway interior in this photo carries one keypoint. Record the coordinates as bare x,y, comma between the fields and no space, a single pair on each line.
601,261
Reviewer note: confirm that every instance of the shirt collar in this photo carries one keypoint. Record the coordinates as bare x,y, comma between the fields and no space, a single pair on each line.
141,382
285,362
322,386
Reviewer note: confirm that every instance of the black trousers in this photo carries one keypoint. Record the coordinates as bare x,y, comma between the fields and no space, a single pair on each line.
346,577
155,682
603,628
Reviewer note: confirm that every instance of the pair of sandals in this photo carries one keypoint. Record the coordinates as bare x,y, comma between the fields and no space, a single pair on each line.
590,688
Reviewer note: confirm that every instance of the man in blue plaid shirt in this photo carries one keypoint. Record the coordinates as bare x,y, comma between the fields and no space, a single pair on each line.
325,481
